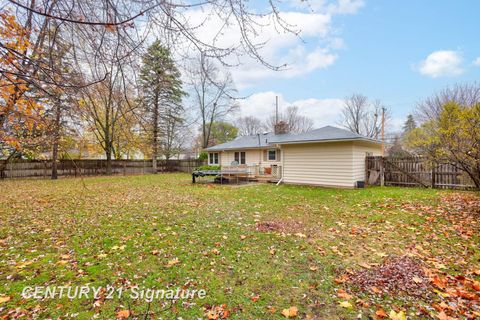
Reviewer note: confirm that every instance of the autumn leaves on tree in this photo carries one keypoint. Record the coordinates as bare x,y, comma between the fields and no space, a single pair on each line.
20,109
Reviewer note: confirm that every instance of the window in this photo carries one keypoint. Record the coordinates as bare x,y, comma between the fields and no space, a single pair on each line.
240,157
213,158
272,155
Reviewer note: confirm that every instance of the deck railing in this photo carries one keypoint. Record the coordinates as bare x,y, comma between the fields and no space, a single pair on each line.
256,170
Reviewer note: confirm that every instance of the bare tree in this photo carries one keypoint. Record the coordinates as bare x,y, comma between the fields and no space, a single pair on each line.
295,122
249,125
363,116
132,21
90,27
212,92
107,102
467,94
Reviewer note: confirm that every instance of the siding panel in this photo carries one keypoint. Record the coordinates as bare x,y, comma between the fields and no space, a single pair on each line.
323,164
360,150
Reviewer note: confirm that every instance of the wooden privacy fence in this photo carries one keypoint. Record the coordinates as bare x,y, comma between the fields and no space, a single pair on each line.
184,165
74,168
415,172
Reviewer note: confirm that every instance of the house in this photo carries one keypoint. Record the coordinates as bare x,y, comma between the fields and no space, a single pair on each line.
327,156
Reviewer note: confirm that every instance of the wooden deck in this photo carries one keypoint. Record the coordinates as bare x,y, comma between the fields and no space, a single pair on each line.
264,179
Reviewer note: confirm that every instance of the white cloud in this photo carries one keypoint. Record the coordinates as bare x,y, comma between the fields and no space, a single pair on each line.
346,6
316,47
442,63
333,7
477,62
322,111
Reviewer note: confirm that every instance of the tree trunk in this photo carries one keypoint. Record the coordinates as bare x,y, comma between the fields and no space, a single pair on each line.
155,137
56,139
108,153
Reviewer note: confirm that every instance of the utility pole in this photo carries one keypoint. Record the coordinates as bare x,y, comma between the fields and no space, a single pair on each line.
383,131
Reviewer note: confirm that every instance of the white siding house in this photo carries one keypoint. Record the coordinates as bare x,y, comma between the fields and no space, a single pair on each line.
328,156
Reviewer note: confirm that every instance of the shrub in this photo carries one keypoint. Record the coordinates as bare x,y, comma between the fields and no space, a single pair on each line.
203,155
207,167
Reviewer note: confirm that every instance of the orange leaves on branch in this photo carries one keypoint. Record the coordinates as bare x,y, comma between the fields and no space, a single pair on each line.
20,111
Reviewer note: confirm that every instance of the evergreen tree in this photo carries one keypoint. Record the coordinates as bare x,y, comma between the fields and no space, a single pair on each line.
409,124
162,91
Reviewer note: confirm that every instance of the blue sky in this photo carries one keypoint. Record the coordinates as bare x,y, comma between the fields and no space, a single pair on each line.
396,51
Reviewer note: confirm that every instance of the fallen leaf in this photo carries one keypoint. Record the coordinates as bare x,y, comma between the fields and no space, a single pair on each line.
346,304
397,315
290,312
442,316
343,294
5,299
123,314
341,279
380,313
173,262
476,285
439,282
271,309
375,290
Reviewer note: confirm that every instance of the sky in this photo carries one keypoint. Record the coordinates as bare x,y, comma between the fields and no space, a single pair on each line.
395,51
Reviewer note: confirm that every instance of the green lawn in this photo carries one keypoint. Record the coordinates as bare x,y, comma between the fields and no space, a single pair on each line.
160,231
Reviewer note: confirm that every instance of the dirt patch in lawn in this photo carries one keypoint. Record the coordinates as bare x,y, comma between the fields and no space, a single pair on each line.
399,274
287,227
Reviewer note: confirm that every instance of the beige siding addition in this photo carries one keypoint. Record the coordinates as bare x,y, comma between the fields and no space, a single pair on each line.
360,151
322,164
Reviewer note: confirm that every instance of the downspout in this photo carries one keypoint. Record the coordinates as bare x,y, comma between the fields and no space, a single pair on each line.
283,159
261,154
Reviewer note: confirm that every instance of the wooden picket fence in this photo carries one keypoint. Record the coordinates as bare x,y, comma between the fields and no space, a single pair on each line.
415,172
88,167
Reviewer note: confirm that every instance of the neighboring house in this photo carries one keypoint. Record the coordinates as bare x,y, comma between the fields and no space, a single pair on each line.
328,156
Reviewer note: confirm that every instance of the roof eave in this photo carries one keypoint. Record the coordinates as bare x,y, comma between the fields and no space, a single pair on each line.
238,148
327,140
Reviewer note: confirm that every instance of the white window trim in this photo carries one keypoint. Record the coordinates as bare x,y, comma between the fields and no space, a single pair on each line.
268,154
240,157
211,158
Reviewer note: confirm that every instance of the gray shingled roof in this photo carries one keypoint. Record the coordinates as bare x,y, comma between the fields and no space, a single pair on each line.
323,134
246,142
327,133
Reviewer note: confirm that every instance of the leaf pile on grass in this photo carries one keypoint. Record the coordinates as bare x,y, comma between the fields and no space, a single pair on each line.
463,203
398,274
460,295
